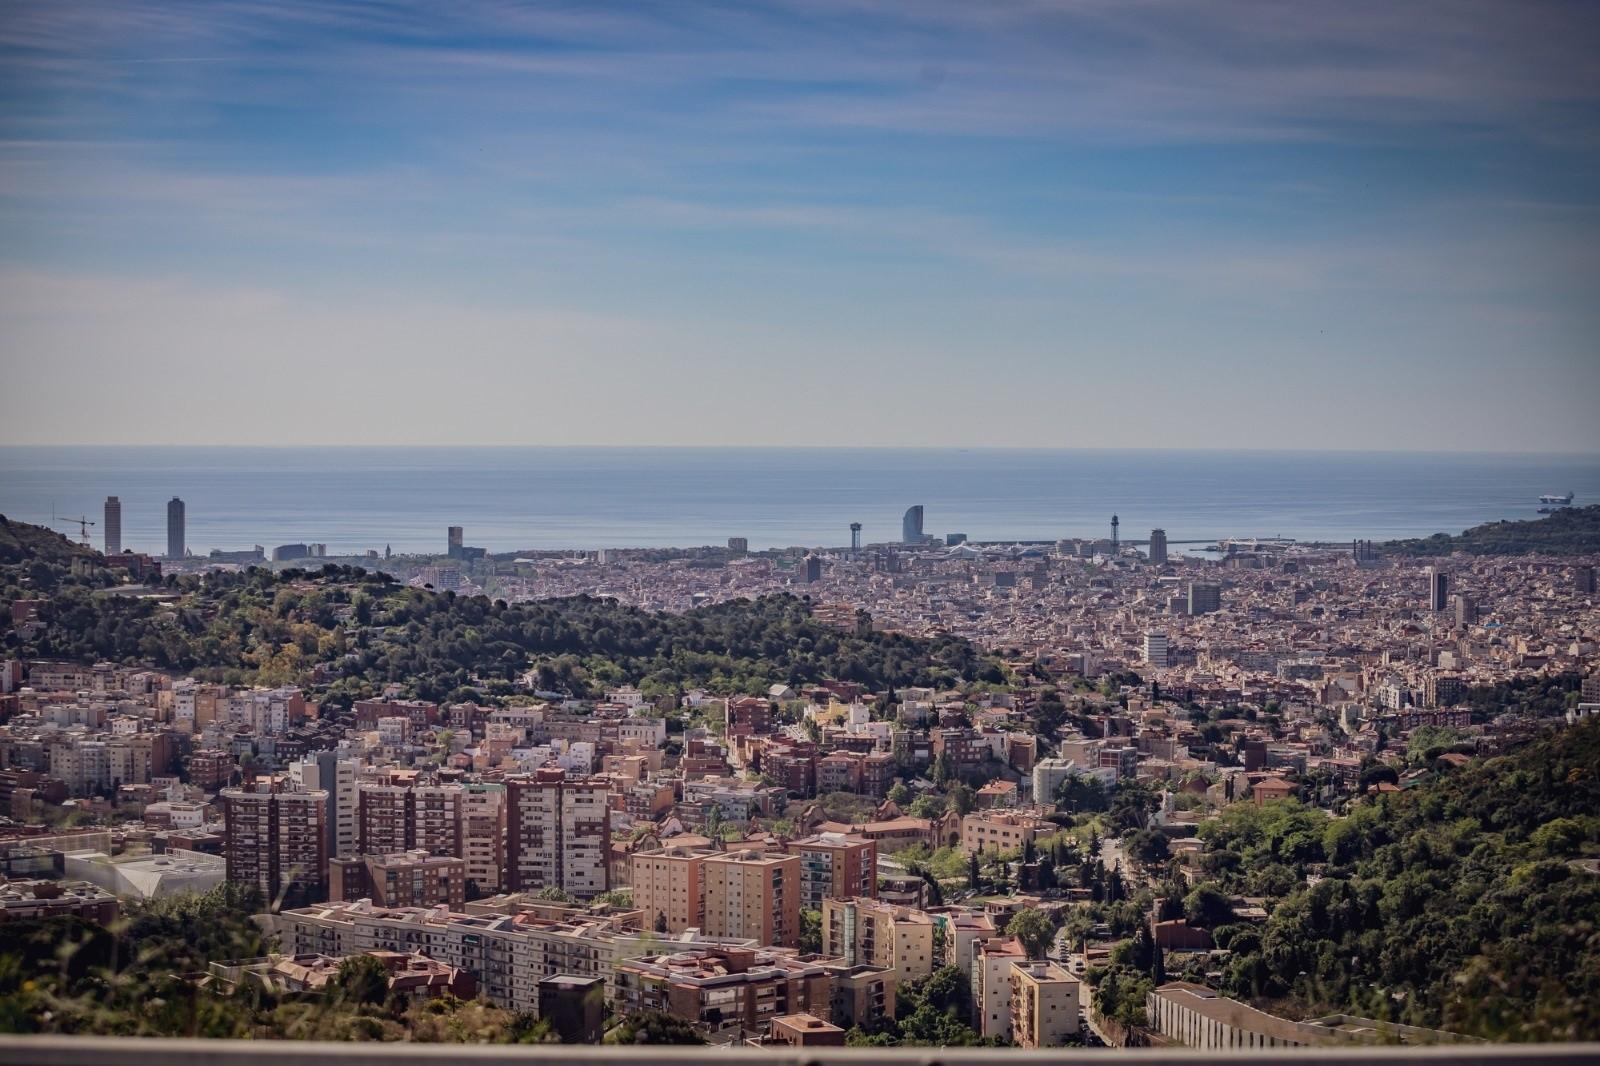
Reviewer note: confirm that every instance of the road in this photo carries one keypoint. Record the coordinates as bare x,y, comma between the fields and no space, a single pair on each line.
1112,855
1087,1020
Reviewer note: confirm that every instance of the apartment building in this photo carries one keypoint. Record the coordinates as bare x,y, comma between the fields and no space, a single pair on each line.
483,819
647,800
409,879
508,954
753,894
396,818
717,990
209,769
104,762
870,932
669,888
558,833
861,995
326,772
749,714
420,713
1044,1005
25,900
991,984
999,831
835,865
277,841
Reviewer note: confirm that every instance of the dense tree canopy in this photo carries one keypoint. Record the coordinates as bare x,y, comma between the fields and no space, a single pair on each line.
68,975
1570,531
365,630
1455,904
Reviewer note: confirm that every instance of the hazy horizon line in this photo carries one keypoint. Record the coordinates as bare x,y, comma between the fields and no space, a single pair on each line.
681,447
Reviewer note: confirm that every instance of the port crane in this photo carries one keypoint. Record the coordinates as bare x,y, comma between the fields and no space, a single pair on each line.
83,523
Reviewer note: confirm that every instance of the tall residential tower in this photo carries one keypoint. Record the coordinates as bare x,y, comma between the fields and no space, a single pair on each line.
175,520
112,527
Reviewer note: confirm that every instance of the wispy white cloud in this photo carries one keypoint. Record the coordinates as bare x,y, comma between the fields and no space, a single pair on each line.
1139,70
868,189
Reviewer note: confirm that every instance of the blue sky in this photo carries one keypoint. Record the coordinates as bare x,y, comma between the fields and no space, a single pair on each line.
1115,222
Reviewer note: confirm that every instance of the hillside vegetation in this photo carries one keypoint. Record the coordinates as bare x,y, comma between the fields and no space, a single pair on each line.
21,542
139,978
1570,531
364,630
1467,903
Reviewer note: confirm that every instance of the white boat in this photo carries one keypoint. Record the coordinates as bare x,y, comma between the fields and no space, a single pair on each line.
1553,498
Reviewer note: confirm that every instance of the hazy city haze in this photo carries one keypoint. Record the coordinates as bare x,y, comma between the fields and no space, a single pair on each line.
1122,224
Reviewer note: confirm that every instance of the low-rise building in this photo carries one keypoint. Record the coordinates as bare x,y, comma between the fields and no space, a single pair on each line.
21,900
804,1030
717,990
862,995
1000,831
404,879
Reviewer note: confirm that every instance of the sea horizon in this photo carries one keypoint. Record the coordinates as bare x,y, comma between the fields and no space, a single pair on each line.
356,498
1040,448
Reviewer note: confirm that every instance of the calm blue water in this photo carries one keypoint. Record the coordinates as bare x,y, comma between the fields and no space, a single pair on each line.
513,498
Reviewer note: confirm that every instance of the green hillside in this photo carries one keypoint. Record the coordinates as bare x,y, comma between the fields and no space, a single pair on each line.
1468,903
22,542
1570,531
365,630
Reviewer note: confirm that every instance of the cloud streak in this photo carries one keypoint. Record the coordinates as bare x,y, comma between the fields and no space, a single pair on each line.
884,195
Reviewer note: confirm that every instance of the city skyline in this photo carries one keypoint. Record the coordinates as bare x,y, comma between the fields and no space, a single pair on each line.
1368,227
514,499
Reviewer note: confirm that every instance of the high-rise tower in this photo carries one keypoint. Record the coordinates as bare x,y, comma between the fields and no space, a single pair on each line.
1204,597
454,536
855,536
175,521
1438,589
1116,542
1158,546
558,833
113,525
911,525
1155,648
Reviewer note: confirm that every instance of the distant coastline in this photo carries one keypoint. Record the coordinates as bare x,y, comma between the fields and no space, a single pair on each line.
356,499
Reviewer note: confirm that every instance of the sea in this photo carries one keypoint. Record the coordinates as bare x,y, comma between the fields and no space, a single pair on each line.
522,498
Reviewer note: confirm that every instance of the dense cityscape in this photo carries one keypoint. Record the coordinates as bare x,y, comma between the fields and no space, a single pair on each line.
799,533
927,792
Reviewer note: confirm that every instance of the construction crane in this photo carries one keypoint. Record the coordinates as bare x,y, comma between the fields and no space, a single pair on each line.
83,524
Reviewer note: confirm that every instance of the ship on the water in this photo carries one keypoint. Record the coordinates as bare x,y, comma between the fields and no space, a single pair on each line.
1562,501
